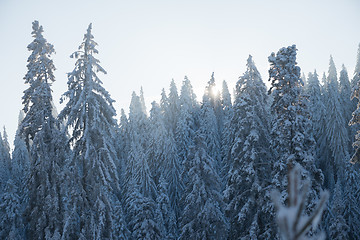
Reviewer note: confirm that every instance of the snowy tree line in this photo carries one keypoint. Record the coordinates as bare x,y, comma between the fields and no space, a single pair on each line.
186,170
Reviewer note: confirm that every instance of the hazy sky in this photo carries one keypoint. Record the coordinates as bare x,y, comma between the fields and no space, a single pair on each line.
147,43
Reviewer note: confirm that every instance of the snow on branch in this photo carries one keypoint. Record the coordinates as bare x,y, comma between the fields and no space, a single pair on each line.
292,220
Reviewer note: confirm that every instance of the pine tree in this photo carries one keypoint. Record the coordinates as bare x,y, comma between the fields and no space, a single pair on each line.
336,132
5,160
40,76
47,151
137,163
162,154
46,182
355,81
316,105
226,132
345,94
209,125
355,96
11,221
90,116
15,194
351,199
170,105
203,216
187,122
165,215
122,146
291,140
251,158
338,228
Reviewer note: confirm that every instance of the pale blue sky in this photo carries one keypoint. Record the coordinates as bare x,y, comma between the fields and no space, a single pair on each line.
147,43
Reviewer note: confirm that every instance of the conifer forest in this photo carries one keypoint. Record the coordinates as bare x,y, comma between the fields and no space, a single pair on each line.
256,162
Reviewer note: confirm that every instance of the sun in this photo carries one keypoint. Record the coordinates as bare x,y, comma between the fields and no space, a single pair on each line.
214,91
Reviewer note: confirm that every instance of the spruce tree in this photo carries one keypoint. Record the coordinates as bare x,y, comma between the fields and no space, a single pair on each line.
11,221
89,114
163,158
165,215
209,125
187,122
345,94
40,76
44,142
203,216
170,106
250,151
338,228
336,132
226,132
355,97
291,140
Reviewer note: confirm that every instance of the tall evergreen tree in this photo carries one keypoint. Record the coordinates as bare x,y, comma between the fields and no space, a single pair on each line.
338,228
203,216
11,221
209,124
336,132
351,199
5,160
47,152
291,141
345,94
14,197
162,155
187,123
355,80
40,75
245,192
226,132
90,116
170,107
165,214
141,215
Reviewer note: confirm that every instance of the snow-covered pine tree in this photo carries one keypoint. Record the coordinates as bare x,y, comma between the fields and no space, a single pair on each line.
47,186
338,228
209,127
15,195
89,114
291,140
141,215
226,132
187,123
11,210
336,132
163,158
48,151
157,151
120,230
202,217
40,76
122,146
355,97
316,105
142,101
138,143
5,159
351,199
355,80
249,172
165,215
345,94
170,105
